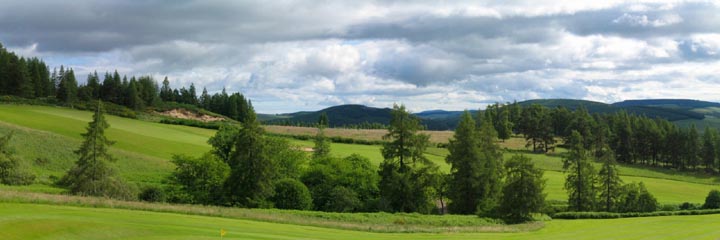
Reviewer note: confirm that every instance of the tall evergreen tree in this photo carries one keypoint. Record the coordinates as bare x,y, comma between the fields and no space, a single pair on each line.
581,176
492,169
465,167
68,87
610,183
523,190
405,173
709,149
322,144
251,169
91,174
166,93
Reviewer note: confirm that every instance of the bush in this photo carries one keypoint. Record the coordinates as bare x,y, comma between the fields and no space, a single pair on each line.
291,194
197,180
342,199
712,201
689,206
152,194
608,215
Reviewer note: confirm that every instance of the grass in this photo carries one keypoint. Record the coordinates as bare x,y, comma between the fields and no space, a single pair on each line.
363,134
51,134
39,221
370,222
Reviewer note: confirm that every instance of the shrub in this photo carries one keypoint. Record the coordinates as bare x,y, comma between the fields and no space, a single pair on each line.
152,194
688,206
342,199
291,194
197,180
712,201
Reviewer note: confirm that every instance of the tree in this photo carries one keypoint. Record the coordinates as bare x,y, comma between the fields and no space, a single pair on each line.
91,174
636,198
223,142
610,182
342,184
712,201
580,180
492,169
709,149
322,144
405,173
291,194
465,167
166,92
67,89
198,180
252,171
12,172
523,190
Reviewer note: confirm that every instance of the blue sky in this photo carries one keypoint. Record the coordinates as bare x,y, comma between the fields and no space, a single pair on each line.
291,56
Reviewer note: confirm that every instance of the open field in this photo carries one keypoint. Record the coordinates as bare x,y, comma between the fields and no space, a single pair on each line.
38,221
363,134
143,150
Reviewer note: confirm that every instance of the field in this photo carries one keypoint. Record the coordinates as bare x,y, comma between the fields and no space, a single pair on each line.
46,136
39,221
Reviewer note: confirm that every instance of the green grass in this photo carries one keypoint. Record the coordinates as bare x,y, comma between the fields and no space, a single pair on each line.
143,150
38,221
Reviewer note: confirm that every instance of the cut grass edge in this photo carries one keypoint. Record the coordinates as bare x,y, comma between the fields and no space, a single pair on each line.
366,222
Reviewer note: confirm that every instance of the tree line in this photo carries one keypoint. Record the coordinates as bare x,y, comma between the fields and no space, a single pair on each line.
631,138
31,78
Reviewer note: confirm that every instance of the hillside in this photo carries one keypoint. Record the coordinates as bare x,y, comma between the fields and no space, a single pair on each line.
143,150
681,111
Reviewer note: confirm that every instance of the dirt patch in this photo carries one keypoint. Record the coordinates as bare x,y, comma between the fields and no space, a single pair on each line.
185,114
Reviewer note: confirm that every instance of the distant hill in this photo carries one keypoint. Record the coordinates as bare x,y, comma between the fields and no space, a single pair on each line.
682,111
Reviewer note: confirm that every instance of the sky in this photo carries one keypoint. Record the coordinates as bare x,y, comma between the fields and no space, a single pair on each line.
289,56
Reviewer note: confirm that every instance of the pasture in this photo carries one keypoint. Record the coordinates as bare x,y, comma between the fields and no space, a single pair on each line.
39,221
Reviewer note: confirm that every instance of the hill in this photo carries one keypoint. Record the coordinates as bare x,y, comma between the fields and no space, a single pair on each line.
682,111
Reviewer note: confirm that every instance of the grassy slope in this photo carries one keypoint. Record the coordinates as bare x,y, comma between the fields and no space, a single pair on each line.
37,221
144,148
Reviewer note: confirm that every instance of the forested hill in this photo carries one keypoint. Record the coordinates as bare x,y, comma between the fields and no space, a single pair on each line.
369,117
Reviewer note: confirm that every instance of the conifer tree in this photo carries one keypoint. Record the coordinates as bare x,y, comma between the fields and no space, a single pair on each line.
406,175
92,174
465,167
251,169
610,183
581,176
523,190
322,144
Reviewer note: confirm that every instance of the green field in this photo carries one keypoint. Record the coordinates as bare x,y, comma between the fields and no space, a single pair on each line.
38,221
143,150
45,138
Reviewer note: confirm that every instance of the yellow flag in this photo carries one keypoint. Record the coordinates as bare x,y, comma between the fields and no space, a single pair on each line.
222,232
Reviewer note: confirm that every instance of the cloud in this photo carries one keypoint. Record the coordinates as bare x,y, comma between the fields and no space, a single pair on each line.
305,55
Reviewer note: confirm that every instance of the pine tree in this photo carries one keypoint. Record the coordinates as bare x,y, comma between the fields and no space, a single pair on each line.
322,144
67,89
166,93
523,190
251,169
491,173
405,174
709,149
91,174
610,183
581,176
465,167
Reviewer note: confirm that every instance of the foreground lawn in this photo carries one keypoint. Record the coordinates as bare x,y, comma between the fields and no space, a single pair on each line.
37,221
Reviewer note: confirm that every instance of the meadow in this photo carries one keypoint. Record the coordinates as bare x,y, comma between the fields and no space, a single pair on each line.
40,221
45,138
